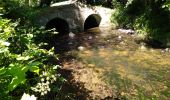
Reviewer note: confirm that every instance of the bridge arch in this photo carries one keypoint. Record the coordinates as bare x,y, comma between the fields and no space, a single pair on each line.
74,16
61,25
92,21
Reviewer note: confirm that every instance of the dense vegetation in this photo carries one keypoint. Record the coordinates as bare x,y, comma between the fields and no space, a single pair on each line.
151,18
25,67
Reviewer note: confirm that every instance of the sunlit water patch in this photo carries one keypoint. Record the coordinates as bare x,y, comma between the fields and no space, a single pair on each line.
132,72
131,69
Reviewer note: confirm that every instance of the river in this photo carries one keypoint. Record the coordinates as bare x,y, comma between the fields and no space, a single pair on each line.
133,70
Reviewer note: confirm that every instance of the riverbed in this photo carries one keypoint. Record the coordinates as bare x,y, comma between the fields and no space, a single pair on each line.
120,63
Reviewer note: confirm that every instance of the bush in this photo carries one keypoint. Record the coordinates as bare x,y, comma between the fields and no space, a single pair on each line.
24,67
151,18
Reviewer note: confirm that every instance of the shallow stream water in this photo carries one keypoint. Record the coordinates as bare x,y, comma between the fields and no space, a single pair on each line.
133,70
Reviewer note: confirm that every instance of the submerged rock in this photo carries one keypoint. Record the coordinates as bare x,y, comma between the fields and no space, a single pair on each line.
81,48
90,37
142,48
71,35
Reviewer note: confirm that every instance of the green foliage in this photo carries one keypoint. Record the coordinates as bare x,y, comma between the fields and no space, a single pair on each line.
18,72
151,18
20,56
22,60
19,9
166,5
105,3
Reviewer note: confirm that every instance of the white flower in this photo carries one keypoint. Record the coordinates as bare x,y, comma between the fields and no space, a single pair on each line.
52,81
55,78
32,88
42,79
42,93
47,83
28,97
52,76
47,78
42,89
45,92
39,84
44,73
32,97
55,32
48,89
4,43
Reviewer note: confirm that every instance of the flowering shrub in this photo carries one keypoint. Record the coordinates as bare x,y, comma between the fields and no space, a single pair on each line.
28,97
24,63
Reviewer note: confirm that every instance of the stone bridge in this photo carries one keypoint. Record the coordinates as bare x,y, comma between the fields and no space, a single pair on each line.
73,17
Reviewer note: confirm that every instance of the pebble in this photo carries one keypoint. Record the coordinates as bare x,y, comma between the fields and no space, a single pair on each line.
81,48
119,37
71,35
143,48
90,37
167,50
162,51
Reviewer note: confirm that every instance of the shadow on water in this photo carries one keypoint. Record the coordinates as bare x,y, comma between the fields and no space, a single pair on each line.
70,90
131,72
73,90
65,41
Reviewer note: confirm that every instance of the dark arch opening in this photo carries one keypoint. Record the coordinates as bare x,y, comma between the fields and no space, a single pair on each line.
58,41
60,25
92,21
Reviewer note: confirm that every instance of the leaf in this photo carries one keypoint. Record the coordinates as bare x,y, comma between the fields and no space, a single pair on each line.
56,66
3,50
2,71
16,81
33,67
23,58
18,72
